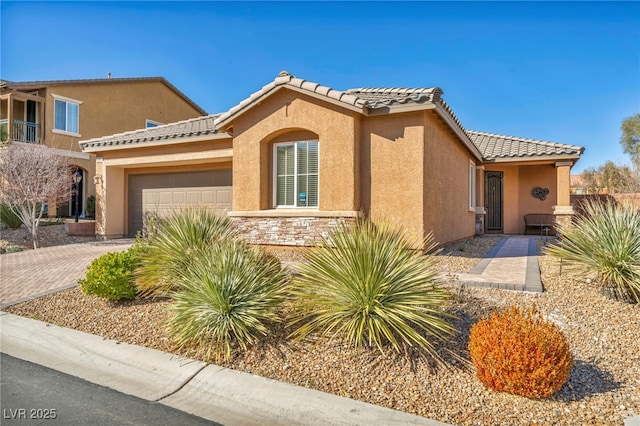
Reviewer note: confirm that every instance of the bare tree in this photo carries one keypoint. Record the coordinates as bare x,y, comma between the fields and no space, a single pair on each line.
30,177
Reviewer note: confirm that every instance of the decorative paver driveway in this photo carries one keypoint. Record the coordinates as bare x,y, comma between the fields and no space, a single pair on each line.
34,273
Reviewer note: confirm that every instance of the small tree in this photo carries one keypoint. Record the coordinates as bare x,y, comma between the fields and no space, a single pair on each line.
30,177
613,177
630,139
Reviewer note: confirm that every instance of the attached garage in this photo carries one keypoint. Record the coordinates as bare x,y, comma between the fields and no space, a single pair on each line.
162,193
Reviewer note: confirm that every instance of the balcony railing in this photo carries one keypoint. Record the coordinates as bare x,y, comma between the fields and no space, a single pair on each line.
20,131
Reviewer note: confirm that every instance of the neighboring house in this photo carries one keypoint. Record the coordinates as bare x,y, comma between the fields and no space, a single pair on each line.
296,158
59,113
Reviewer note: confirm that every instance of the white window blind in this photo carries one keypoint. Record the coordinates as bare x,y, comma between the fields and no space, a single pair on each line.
296,174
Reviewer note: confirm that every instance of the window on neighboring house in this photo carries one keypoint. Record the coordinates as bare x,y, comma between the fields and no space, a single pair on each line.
296,174
150,123
66,113
472,186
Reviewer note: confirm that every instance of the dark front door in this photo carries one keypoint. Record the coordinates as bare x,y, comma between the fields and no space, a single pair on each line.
30,125
493,201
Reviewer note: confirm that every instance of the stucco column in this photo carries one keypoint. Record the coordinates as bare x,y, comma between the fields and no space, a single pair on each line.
110,207
480,210
563,210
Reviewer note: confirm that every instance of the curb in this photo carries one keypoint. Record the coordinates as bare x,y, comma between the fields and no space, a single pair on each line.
214,393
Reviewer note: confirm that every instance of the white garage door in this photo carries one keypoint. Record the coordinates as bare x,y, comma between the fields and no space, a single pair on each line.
162,193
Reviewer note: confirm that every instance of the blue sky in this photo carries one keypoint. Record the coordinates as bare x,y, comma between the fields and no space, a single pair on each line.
567,72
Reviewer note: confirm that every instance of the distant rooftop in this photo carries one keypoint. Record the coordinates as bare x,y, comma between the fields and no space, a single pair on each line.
32,85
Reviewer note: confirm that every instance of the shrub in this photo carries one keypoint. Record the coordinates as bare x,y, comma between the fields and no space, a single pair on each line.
91,206
366,286
519,352
605,241
226,296
9,218
172,244
111,276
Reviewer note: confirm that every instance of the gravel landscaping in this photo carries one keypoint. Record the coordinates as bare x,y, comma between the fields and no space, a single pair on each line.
604,336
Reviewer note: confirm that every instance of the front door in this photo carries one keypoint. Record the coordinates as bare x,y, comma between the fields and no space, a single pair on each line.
493,201
30,125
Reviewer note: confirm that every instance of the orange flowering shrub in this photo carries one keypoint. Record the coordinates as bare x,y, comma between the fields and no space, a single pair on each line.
519,352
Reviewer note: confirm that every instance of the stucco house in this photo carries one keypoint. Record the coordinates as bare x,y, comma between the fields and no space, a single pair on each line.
59,113
296,158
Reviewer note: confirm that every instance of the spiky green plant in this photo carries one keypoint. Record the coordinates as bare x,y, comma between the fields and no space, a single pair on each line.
604,241
175,239
366,285
229,293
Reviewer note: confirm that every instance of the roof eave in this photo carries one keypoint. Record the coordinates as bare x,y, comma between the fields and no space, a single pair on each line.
571,157
459,131
398,108
95,147
255,99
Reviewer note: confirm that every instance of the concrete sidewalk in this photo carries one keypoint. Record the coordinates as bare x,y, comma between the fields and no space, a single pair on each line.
214,393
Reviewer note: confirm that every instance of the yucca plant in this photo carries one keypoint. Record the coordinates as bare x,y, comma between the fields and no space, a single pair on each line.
366,285
228,295
175,239
604,241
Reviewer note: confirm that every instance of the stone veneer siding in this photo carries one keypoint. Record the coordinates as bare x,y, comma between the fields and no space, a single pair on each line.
287,231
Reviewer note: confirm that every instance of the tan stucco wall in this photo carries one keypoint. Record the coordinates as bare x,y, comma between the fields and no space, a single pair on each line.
285,112
446,183
392,166
114,107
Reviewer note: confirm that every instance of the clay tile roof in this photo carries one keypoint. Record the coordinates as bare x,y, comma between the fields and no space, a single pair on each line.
193,127
576,180
494,147
384,97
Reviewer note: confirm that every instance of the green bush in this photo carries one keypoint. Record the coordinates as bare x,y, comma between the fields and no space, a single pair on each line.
91,206
227,296
171,245
111,275
8,218
605,241
367,286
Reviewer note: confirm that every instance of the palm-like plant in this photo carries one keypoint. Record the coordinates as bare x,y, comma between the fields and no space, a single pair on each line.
605,241
367,286
169,249
228,294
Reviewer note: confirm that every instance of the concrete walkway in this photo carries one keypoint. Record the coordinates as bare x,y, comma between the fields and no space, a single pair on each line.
512,264
34,273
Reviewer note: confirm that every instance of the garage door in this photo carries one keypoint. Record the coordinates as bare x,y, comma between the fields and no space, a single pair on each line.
162,193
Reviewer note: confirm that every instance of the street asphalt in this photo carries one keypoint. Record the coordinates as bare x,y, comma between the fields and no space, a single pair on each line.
33,394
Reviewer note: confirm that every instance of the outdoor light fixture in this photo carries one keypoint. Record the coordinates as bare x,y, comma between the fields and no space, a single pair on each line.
77,178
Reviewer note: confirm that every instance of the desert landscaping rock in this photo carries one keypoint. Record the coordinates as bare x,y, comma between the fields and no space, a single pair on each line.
604,336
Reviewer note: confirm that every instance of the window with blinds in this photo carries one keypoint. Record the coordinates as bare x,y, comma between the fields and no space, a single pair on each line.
296,174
